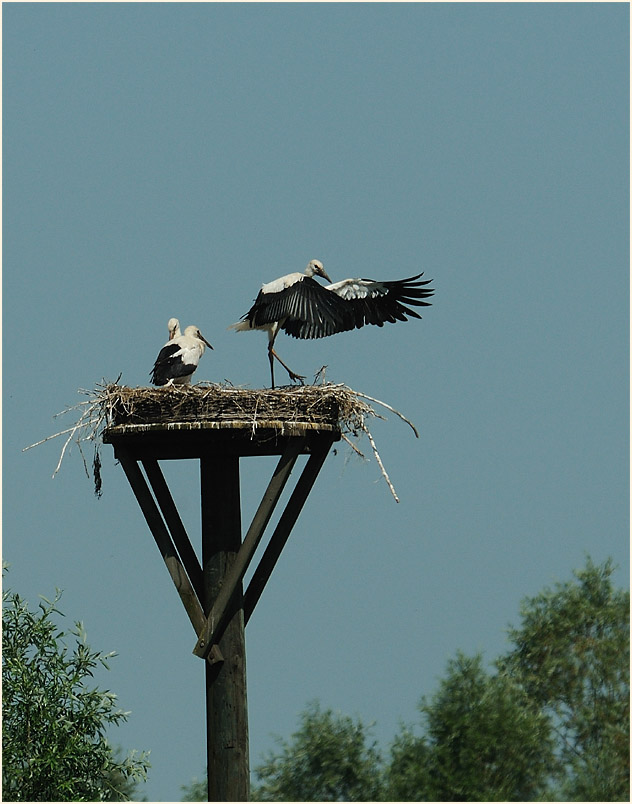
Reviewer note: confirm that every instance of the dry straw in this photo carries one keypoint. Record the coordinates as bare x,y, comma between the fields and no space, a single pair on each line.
293,408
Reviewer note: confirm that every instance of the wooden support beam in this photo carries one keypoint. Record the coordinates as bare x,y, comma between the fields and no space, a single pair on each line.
163,540
212,593
235,575
174,523
284,526
171,442
226,706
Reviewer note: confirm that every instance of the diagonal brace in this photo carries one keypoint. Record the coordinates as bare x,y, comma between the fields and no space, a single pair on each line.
220,610
174,523
284,527
163,540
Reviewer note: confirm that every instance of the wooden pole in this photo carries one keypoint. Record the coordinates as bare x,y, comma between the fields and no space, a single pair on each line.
226,702
240,566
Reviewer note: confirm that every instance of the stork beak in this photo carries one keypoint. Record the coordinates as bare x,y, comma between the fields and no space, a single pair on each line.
325,275
202,338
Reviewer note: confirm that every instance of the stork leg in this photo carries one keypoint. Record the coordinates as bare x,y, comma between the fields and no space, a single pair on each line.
271,359
293,375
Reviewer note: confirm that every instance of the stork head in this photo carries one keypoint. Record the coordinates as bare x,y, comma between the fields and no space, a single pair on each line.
194,332
173,325
315,268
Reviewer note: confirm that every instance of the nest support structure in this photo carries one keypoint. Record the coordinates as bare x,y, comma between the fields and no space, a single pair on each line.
218,425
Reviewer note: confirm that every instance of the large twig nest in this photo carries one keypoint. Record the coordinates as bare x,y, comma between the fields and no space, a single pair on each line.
322,407
326,406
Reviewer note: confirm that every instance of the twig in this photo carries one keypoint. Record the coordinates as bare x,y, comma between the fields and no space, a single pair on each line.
388,407
380,464
83,458
73,407
352,445
61,457
254,419
48,438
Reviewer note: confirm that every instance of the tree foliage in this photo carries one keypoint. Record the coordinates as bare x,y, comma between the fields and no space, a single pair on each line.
53,739
196,791
548,721
572,657
483,741
328,759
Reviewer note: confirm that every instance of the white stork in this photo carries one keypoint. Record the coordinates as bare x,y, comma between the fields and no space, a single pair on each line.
303,308
173,327
179,357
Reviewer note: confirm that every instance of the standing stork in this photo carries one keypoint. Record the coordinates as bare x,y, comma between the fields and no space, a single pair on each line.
303,308
179,357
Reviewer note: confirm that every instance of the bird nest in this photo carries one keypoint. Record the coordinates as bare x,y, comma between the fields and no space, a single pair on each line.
294,408
118,408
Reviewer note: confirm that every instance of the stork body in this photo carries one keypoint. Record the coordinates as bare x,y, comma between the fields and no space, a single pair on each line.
179,357
303,308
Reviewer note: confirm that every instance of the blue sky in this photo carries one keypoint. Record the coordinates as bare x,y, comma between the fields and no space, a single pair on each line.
166,159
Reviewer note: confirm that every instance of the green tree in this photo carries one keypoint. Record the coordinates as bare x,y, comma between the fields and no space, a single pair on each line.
53,739
482,741
122,787
549,721
196,791
572,657
328,759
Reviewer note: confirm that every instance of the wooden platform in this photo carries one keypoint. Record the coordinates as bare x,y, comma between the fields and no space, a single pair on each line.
201,439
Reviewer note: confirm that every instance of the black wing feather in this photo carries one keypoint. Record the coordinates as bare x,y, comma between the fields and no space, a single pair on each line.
387,302
168,366
305,310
